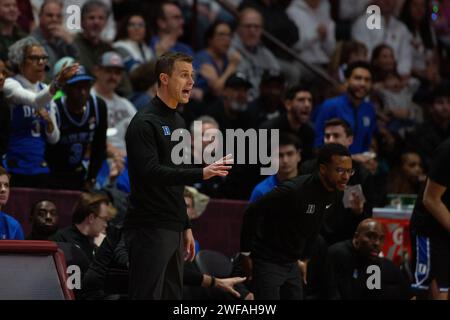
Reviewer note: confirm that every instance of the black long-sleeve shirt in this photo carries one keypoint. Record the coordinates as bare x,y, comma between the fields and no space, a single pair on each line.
346,276
157,184
282,225
342,223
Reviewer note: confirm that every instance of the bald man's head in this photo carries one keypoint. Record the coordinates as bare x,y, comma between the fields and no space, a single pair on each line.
368,239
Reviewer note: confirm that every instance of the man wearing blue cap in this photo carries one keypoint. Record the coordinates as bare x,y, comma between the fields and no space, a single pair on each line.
82,120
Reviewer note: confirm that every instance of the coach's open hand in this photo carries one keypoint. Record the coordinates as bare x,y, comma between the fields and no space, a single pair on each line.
219,168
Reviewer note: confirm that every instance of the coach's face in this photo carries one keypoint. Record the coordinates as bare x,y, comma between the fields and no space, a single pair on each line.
337,173
181,81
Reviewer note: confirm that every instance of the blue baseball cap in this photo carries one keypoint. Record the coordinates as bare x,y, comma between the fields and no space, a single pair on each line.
81,75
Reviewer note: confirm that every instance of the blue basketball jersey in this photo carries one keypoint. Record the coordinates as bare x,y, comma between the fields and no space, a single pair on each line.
27,141
76,136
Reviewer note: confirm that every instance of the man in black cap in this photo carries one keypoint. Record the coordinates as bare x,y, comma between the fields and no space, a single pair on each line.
269,104
82,121
231,113
230,110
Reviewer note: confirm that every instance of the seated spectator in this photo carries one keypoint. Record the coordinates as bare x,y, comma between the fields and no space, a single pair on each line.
132,42
436,127
416,15
215,64
348,12
4,114
27,18
10,228
230,111
109,72
94,15
89,42
407,176
207,129
298,103
346,53
89,220
33,121
82,120
10,32
393,32
398,113
383,62
348,267
351,107
169,28
196,203
144,83
281,27
52,35
269,104
316,32
44,220
255,56
343,220
289,157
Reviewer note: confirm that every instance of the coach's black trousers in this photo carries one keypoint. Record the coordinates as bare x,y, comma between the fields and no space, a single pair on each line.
275,281
156,264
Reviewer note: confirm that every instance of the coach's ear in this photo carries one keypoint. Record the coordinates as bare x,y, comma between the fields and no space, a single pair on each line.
164,78
322,169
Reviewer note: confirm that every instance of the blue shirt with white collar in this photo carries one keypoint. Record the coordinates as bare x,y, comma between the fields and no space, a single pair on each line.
362,120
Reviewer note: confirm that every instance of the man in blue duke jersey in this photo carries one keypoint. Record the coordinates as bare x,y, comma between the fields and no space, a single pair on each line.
32,118
82,120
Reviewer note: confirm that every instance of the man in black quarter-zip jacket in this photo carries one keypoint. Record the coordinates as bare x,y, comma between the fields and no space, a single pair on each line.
280,228
157,231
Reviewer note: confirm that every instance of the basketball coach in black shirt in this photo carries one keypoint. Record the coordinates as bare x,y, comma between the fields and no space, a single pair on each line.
280,228
156,228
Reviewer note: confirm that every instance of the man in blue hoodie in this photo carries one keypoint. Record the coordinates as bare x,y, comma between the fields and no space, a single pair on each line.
352,107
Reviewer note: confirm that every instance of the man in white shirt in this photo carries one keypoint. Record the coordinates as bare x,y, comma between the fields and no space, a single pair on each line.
108,73
316,30
392,32
255,56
